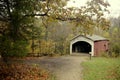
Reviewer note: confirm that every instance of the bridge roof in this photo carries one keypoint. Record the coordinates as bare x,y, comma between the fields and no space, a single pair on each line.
91,37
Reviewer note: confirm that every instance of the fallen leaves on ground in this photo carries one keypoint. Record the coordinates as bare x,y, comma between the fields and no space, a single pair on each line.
20,71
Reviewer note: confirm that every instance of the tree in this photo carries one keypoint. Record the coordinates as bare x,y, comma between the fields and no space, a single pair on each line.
114,36
14,34
18,15
115,40
59,32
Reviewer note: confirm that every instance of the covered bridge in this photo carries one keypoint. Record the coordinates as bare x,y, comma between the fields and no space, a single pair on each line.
89,44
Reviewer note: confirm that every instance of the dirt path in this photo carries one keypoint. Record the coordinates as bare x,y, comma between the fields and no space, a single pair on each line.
64,68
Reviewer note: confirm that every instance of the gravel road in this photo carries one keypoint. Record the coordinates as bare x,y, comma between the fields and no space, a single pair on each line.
64,67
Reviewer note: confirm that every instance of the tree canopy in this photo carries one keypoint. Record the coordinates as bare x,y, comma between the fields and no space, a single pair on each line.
17,18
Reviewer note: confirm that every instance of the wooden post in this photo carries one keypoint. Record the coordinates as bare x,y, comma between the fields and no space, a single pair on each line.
90,55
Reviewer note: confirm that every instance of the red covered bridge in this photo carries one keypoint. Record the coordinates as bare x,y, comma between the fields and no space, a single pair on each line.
89,44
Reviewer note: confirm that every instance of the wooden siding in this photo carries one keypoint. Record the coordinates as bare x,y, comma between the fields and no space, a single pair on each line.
100,46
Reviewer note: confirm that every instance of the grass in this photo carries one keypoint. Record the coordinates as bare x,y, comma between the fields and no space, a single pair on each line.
100,68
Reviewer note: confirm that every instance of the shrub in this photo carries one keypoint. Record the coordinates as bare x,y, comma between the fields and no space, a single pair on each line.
113,54
47,47
10,48
104,54
18,49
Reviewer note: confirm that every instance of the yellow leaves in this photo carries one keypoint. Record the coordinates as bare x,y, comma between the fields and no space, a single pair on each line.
47,47
96,9
44,7
85,16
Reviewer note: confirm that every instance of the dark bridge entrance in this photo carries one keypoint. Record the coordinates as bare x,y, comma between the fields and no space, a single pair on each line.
81,47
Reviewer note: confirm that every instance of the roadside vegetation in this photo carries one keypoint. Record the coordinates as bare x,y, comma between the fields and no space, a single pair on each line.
101,68
45,27
106,67
16,69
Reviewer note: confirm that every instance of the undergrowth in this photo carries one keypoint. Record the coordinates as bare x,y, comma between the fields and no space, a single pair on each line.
20,71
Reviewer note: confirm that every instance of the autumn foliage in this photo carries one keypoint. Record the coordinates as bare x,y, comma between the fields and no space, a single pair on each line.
22,71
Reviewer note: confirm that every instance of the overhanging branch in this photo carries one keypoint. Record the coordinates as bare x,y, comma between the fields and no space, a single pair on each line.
32,15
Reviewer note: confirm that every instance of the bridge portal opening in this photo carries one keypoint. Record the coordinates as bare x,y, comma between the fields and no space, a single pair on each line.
81,47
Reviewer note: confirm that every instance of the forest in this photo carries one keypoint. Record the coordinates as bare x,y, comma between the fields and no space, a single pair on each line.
45,27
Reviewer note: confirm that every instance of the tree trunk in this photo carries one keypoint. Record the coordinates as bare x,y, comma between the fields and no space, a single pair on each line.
32,46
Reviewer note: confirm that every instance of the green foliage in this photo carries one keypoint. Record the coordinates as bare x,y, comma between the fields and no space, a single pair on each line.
102,69
9,48
60,33
104,54
55,42
91,16
113,35
47,47
115,41
18,49
19,17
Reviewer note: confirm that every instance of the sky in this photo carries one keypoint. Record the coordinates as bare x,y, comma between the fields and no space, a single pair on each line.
114,6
